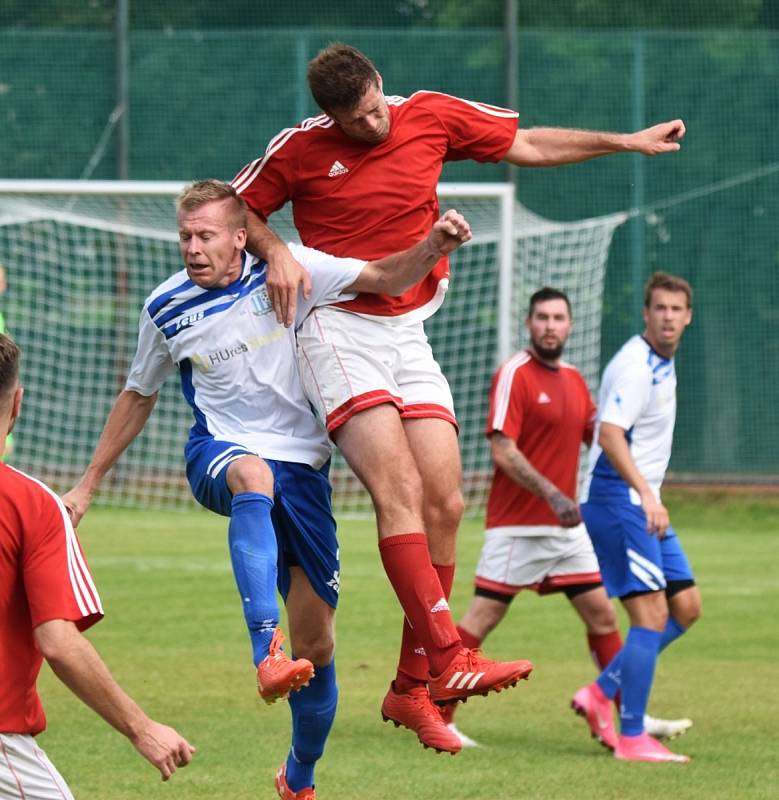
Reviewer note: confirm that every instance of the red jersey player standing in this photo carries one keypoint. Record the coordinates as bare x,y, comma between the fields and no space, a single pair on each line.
362,179
540,413
47,597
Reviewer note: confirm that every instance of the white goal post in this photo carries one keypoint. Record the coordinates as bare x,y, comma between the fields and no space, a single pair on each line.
80,258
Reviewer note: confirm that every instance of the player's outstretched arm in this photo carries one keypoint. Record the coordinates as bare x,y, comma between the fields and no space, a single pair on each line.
515,464
397,273
551,147
285,273
612,440
78,665
124,423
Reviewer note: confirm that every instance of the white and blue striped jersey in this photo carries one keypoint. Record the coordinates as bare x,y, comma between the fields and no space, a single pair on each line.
637,393
238,366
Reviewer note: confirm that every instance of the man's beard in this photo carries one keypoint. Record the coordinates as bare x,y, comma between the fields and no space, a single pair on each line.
548,353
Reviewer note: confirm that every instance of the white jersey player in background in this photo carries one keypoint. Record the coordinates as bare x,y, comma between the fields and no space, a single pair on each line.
640,557
256,452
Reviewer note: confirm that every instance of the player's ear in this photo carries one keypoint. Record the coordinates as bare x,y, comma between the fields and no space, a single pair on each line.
239,238
16,407
379,82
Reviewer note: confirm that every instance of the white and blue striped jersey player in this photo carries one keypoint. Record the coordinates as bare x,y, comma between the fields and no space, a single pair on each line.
239,375
637,394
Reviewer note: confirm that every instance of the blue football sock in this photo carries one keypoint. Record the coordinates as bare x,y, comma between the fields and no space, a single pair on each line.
313,712
639,655
673,630
611,678
253,551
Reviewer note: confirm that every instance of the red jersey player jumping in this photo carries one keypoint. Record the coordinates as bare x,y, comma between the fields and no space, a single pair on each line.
540,413
362,179
47,597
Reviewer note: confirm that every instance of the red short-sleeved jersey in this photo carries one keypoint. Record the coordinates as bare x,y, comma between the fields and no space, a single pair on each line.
43,576
360,200
548,413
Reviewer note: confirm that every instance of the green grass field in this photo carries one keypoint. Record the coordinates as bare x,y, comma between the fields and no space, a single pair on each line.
174,637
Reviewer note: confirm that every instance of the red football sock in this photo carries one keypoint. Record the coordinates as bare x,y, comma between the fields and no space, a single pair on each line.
469,640
406,560
603,648
413,666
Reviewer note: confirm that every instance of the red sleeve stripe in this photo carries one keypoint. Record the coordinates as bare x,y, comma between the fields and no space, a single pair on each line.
485,108
249,173
84,589
503,389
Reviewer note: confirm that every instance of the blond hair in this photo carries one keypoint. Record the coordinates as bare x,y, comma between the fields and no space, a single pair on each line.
199,193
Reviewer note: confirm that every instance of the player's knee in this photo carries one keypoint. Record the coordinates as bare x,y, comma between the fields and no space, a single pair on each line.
397,491
250,474
317,647
445,511
688,614
658,617
686,606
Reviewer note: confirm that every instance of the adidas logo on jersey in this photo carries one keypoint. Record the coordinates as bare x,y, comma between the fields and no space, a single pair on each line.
441,605
337,169
544,398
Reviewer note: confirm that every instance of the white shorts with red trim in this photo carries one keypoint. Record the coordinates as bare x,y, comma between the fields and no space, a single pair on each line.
350,363
26,772
545,564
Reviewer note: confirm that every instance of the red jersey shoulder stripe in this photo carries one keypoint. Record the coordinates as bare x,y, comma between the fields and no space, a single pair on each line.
84,589
250,172
396,99
485,108
503,388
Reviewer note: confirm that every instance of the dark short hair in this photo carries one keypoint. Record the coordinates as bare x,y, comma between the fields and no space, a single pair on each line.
547,293
671,283
339,76
10,356
199,193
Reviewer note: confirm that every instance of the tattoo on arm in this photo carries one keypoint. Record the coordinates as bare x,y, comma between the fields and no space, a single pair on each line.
512,461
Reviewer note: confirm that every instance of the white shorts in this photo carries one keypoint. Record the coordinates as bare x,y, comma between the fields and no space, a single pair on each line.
545,564
349,363
26,772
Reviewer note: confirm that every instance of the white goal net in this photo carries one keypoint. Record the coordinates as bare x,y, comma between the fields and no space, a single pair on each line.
80,259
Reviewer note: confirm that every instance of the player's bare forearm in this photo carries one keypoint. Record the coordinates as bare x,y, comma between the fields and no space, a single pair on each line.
78,665
285,273
508,457
261,241
125,421
551,147
397,273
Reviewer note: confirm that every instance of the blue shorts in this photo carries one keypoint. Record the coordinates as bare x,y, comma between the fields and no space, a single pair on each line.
302,511
631,559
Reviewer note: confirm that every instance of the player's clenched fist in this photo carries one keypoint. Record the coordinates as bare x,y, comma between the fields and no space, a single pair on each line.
449,232
662,138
